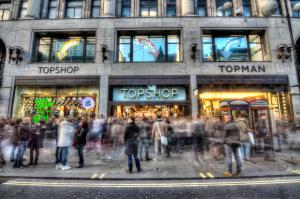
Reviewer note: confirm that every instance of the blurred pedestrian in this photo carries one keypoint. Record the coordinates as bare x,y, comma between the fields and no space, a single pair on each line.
66,132
23,139
144,138
131,144
197,136
232,144
169,135
80,142
159,131
14,138
36,142
243,125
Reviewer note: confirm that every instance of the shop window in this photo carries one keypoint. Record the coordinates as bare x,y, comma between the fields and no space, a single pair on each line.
295,13
148,8
23,9
96,8
52,9
234,47
223,10
65,49
171,8
201,8
247,8
149,48
126,8
73,9
44,103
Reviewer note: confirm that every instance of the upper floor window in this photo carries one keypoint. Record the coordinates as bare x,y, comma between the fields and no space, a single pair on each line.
148,8
278,10
171,8
224,8
126,8
295,12
160,47
52,9
4,13
23,9
201,8
64,48
73,8
226,46
95,8
247,8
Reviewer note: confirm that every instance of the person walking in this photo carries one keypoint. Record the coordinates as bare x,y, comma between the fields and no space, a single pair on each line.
198,132
232,144
23,140
265,137
244,130
169,135
66,132
131,135
81,141
14,138
144,139
36,142
159,129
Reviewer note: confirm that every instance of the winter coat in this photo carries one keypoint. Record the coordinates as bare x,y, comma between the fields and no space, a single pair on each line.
66,133
242,124
145,128
14,136
24,132
163,129
232,134
261,128
131,139
37,134
81,135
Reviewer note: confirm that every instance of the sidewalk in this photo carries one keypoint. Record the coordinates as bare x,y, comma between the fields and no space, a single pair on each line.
112,165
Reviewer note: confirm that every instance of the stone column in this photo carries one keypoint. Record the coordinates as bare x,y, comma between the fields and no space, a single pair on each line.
103,99
109,8
187,7
34,8
194,99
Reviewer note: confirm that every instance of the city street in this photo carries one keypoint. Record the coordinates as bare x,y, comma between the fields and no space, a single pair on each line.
265,188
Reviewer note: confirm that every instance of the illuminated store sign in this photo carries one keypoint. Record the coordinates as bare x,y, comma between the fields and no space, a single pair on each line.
58,69
242,68
88,103
149,93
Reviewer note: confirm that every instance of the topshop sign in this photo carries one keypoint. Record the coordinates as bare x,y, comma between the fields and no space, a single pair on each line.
149,93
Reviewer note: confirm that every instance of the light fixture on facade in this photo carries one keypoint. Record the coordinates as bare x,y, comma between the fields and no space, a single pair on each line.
285,52
193,49
14,54
104,50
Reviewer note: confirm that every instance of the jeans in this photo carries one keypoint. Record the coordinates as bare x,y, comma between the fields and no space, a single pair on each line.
57,155
132,149
157,145
21,151
63,158
144,142
80,154
245,150
13,151
229,150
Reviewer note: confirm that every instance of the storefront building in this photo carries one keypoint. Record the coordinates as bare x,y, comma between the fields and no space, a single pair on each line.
173,58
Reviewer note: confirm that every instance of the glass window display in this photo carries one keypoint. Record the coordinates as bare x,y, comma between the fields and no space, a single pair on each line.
45,103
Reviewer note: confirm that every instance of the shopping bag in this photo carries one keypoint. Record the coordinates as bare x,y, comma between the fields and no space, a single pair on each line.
251,138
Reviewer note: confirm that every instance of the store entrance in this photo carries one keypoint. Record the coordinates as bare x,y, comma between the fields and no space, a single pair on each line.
149,110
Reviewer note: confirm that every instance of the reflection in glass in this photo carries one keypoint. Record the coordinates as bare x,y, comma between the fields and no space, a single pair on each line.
293,3
220,11
52,9
126,8
23,9
171,8
4,14
256,48
95,8
201,8
207,48
148,8
124,49
278,11
247,8
73,9
233,48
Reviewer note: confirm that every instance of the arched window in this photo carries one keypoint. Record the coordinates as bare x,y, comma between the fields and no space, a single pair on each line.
223,8
148,8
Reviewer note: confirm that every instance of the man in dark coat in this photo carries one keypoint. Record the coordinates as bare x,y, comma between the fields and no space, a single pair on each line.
232,144
131,144
36,142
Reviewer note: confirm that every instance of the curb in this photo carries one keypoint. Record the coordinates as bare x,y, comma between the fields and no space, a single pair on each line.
148,179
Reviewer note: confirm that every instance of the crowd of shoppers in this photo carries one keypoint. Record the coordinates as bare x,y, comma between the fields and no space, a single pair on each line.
222,138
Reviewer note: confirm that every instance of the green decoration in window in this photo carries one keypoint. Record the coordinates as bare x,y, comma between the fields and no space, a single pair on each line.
43,108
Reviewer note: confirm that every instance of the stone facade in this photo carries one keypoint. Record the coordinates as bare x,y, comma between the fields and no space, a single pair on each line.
21,33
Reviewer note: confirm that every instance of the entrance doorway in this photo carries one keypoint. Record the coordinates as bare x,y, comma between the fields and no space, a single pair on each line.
150,110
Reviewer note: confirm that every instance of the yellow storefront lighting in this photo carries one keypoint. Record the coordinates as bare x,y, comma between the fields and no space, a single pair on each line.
232,95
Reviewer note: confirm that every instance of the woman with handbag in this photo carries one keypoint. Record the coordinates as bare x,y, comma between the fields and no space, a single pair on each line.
159,131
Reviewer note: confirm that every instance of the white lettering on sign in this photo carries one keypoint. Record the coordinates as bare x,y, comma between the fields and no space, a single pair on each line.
150,93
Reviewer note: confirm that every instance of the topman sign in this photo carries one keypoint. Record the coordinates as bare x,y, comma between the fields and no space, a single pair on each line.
242,68
149,93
